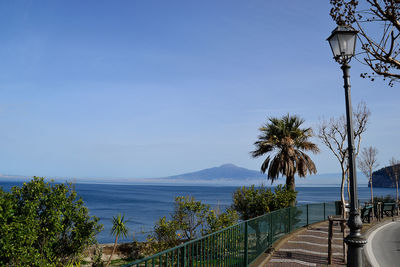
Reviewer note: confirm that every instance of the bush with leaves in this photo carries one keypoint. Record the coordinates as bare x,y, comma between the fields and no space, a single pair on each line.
251,202
190,216
97,257
283,197
43,224
165,233
190,219
217,220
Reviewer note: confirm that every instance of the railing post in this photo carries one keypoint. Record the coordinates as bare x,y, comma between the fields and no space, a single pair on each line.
246,241
270,229
307,215
184,256
330,237
324,212
290,220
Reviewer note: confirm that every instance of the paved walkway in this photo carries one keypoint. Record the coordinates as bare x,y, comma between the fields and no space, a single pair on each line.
309,247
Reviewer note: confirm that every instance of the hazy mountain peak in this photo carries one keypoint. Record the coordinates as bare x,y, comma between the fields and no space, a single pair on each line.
228,171
228,165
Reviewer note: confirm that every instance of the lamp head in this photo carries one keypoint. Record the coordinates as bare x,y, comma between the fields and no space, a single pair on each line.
343,43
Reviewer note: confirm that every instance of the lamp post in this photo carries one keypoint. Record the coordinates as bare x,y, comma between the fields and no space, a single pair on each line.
343,43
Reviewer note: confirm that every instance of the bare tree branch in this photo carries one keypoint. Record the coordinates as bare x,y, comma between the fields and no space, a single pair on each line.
367,163
333,135
381,47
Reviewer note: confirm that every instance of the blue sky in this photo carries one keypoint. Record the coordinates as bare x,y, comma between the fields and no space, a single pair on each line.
157,88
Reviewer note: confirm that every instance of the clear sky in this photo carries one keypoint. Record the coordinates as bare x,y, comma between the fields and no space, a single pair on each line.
147,88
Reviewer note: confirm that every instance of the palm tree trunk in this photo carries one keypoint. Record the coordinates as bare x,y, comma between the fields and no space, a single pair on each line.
112,253
291,185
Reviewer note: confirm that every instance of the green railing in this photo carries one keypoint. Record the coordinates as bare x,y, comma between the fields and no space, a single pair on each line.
241,244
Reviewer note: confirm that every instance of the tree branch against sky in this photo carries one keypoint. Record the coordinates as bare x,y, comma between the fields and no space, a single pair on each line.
333,134
378,23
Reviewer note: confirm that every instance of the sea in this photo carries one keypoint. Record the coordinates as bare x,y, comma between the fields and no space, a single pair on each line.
143,205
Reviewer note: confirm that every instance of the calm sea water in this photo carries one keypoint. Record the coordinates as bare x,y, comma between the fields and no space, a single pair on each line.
144,204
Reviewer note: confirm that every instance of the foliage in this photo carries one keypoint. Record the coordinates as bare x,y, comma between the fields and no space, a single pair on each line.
165,232
190,219
43,224
252,202
119,226
190,216
97,257
118,229
378,25
284,142
283,197
217,220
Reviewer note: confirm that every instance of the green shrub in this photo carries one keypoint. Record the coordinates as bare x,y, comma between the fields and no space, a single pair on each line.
283,197
251,202
165,232
217,220
44,224
190,216
190,219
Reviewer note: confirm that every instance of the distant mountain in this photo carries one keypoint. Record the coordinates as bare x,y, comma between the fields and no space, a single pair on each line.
224,175
381,178
225,171
230,174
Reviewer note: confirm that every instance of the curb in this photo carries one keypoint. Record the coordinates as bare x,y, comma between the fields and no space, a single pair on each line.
369,231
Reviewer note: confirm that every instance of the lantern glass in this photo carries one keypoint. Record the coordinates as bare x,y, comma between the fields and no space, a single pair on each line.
343,42
347,43
334,43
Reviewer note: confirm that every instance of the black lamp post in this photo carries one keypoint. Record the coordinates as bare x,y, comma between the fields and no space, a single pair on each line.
343,43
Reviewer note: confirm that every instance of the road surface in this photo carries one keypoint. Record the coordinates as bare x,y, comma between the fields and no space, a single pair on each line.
383,247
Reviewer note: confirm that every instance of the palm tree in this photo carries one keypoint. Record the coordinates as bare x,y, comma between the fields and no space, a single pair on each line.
285,142
119,228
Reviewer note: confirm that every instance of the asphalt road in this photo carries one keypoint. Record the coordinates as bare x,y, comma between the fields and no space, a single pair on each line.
383,246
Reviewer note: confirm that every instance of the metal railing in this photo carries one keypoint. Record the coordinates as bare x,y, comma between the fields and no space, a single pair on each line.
241,244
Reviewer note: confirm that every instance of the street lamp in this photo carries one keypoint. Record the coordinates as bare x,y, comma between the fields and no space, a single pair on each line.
343,44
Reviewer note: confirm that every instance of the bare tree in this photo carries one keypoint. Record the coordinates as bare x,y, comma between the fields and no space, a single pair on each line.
393,172
367,163
334,135
378,24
